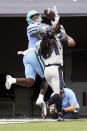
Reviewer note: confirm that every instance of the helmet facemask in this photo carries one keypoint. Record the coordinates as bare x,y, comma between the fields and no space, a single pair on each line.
30,16
36,18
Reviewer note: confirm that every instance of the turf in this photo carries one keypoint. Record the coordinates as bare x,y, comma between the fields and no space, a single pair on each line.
80,125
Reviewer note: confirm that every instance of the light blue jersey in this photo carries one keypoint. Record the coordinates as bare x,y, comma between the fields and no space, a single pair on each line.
69,98
32,62
31,29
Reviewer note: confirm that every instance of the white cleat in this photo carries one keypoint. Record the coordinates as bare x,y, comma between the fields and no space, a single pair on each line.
8,82
44,110
23,52
39,102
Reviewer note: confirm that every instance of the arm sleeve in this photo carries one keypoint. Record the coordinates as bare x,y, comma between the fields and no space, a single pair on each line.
72,98
32,29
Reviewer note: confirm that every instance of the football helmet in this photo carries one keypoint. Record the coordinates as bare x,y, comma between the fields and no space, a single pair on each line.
43,30
30,14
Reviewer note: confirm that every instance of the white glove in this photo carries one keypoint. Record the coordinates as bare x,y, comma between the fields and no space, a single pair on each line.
23,52
57,17
62,29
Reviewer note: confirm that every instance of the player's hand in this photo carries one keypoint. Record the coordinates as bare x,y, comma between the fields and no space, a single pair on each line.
23,52
62,30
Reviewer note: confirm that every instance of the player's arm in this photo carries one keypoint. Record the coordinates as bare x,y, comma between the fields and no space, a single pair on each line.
32,31
34,35
70,108
65,39
72,102
70,40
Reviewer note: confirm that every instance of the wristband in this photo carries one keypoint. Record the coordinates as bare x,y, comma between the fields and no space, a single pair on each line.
63,39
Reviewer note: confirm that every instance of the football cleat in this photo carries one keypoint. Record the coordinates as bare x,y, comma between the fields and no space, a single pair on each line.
60,118
44,110
9,82
39,101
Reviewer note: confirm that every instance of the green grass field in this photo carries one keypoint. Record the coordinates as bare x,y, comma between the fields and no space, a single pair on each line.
77,125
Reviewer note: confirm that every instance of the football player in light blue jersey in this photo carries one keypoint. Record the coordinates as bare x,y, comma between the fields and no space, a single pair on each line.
32,35
32,63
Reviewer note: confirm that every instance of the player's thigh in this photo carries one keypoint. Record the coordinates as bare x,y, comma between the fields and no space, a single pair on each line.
28,61
57,80
54,78
50,74
39,71
39,66
29,71
55,85
36,66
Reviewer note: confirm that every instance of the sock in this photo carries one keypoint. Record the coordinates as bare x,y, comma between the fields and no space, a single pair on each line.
41,96
55,99
13,80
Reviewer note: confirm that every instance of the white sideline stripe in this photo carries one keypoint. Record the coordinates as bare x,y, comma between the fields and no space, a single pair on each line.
13,121
2,123
25,120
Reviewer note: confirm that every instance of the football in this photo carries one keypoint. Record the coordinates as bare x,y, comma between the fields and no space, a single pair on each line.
49,13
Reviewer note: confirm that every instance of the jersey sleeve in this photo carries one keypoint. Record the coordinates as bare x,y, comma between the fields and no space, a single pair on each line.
72,98
31,29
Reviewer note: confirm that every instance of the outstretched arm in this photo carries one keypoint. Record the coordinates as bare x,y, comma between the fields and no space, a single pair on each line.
71,41
65,39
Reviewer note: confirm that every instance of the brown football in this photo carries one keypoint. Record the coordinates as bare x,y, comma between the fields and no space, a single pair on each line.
50,13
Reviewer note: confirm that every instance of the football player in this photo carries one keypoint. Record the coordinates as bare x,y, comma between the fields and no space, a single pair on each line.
54,38
32,63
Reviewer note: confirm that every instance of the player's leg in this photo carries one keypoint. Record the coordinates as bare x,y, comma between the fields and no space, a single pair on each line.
29,73
43,89
39,68
57,83
54,80
56,99
20,81
44,107
40,100
59,86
